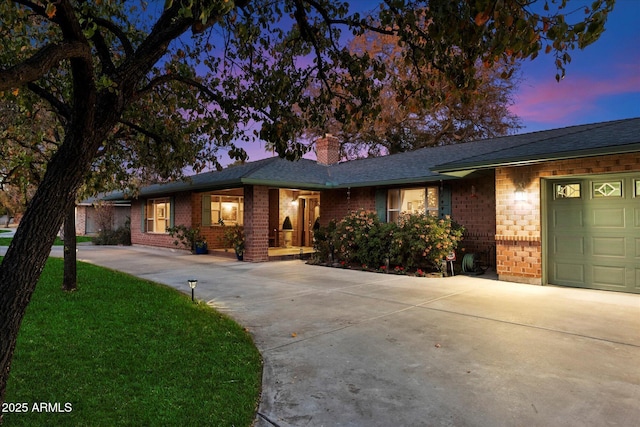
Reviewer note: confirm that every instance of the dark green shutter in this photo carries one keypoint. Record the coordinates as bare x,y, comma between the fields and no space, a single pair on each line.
206,209
143,216
381,204
444,207
172,211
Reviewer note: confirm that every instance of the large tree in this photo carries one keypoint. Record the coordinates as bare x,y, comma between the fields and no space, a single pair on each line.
434,112
243,63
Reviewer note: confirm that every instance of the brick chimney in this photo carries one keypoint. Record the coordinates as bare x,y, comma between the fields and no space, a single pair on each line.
328,150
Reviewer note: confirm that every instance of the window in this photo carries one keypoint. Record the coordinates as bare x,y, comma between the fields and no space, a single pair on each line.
411,201
607,189
157,216
567,191
638,188
229,209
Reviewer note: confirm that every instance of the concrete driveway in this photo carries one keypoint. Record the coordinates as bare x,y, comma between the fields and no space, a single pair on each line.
349,348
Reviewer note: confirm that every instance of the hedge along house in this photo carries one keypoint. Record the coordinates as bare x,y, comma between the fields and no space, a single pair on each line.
559,206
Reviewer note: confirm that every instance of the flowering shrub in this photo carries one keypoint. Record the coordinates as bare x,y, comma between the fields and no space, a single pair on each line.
361,238
416,241
424,240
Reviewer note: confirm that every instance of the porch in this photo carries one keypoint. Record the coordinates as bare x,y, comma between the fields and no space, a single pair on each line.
275,254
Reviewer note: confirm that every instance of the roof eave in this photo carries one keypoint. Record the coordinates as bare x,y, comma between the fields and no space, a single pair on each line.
394,182
454,169
287,184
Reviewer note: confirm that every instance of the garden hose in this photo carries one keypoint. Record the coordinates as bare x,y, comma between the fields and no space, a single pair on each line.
469,263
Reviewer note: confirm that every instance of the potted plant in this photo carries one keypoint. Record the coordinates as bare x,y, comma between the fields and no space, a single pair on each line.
233,237
200,245
190,238
287,232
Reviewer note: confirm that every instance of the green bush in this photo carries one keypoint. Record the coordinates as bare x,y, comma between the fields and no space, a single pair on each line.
416,241
322,241
354,234
424,241
121,236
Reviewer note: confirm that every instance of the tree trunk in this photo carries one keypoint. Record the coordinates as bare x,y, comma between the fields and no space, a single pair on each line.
29,249
70,279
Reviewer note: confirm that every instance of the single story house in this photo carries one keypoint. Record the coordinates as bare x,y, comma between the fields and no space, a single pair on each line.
91,216
553,207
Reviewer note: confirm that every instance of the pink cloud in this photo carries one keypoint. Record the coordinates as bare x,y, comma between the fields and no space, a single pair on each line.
544,100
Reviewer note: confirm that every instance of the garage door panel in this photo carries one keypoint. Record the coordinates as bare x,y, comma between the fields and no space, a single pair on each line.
636,222
609,277
568,245
609,246
637,252
570,273
603,217
567,218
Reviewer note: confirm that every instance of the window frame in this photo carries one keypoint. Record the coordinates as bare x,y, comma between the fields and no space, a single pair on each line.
430,192
216,209
152,207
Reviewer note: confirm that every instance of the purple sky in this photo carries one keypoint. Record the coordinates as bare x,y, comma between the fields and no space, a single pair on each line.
602,82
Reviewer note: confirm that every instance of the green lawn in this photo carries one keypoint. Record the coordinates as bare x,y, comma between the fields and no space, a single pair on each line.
124,351
6,241
4,231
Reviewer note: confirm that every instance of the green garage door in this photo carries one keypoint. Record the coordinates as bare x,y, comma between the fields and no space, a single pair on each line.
593,236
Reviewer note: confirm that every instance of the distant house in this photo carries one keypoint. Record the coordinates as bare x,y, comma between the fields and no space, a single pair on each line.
559,206
90,215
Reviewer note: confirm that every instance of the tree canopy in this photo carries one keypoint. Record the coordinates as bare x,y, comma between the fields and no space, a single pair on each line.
438,113
136,84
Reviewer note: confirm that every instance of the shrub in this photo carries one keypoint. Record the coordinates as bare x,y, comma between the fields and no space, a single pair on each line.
358,238
323,242
121,236
423,240
416,241
189,237
233,237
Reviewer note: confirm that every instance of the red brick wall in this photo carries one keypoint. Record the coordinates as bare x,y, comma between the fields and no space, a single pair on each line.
518,223
214,232
182,211
473,205
336,204
81,220
256,223
474,208
328,150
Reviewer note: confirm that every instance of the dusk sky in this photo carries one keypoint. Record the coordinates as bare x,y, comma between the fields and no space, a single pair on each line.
602,82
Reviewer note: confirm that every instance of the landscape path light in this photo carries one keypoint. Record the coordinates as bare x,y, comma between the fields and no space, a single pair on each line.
192,284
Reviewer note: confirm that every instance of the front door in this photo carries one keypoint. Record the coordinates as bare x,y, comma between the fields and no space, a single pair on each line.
309,211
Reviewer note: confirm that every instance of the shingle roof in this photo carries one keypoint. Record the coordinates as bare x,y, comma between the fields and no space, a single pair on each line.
424,165
273,171
615,137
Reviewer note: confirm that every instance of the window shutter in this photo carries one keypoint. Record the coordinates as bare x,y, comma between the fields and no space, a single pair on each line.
381,204
206,209
143,214
172,211
444,207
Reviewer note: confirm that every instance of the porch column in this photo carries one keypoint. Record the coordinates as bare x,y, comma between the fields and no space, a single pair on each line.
256,223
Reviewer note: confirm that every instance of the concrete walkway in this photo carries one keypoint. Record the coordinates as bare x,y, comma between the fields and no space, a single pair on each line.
349,348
